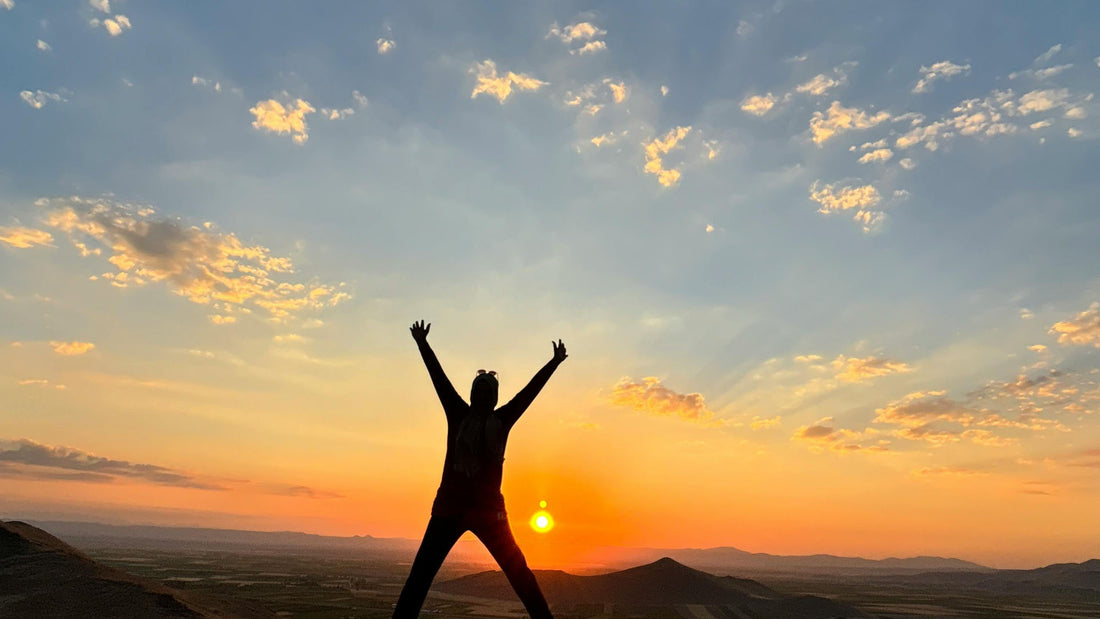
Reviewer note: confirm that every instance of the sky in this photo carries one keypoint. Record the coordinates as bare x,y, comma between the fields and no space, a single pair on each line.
826,271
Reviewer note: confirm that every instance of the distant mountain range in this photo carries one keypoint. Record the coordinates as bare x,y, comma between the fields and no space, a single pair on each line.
723,558
663,583
728,558
42,576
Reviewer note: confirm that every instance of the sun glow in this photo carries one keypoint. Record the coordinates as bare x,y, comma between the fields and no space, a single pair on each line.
542,521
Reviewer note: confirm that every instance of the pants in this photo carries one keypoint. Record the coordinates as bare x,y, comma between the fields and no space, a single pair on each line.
493,531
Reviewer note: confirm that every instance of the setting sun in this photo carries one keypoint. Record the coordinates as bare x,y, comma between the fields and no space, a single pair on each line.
542,521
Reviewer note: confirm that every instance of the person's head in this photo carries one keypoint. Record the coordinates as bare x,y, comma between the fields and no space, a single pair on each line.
483,393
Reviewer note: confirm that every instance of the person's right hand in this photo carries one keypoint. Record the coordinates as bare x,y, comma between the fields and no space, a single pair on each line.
420,331
559,351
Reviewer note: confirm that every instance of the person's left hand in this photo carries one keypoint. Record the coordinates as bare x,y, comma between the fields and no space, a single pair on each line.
559,351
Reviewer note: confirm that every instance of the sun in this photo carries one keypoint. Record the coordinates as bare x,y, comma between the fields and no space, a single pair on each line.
542,521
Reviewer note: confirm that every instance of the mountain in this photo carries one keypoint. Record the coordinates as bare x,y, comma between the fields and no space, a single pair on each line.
734,559
42,576
663,583
1076,580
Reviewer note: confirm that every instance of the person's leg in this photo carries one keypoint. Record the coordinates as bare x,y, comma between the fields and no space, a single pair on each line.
441,535
497,537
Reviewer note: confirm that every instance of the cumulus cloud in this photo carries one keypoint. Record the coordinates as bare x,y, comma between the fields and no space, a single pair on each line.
862,199
274,117
70,349
1042,100
655,150
921,415
385,46
944,69
822,434
1081,330
42,45
101,5
24,238
337,113
39,98
580,31
839,119
8,4
500,86
758,105
907,163
201,264
26,458
650,396
854,369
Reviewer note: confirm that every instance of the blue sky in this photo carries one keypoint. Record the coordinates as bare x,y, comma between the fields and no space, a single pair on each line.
892,183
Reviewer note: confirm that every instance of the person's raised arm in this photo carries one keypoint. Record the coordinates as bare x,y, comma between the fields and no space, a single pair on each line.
443,387
511,411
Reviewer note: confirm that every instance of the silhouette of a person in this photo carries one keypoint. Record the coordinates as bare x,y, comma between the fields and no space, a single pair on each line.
469,497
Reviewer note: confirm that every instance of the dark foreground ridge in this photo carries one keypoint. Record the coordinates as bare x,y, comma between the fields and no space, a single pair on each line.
663,583
42,576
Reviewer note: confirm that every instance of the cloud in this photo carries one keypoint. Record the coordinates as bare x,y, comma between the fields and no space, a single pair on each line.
944,69
854,369
42,45
839,119
907,163
618,91
822,434
654,150
39,98
1040,74
201,264
1037,348
759,423
945,471
1047,55
1042,100
8,4
337,114
290,338
490,83
590,47
274,117
359,99
860,198
821,83
879,154
920,414
385,46
580,31
38,382
807,358
1073,132
70,349
1081,330
650,396
114,25
758,105
24,238
87,466
101,5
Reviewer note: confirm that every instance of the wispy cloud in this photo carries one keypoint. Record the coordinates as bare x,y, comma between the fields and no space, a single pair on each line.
385,45
855,369
822,434
580,31
500,86
274,117
942,70
758,105
37,459
21,237
200,264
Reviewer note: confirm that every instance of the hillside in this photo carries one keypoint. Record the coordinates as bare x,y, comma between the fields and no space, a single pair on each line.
42,576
